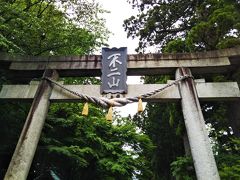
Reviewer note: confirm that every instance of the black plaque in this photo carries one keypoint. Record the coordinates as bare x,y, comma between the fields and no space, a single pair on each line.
114,70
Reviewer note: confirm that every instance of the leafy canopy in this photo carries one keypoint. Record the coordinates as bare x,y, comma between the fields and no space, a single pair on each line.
90,147
71,146
200,25
40,27
186,26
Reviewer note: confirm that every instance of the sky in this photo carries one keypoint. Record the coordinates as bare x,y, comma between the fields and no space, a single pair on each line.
119,11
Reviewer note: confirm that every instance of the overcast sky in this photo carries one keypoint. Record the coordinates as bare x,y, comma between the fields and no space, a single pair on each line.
119,11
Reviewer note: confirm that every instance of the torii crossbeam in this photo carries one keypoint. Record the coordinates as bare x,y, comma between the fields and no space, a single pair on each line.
189,92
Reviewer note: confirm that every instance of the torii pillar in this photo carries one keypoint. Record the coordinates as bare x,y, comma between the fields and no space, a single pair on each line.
203,158
23,155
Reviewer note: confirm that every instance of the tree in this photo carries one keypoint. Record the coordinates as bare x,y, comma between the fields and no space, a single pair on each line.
78,147
71,146
188,26
201,25
163,123
39,27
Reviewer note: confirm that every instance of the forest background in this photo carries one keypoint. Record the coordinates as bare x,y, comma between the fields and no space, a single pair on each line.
149,145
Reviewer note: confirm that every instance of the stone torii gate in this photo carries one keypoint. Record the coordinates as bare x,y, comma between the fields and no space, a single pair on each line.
24,68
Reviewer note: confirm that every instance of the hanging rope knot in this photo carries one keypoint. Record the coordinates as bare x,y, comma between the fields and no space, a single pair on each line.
44,78
186,76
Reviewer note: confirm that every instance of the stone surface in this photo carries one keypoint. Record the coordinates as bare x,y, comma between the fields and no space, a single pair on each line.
203,159
23,155
26,67
206,91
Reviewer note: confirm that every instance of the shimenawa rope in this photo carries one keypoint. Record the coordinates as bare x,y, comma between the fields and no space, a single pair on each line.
116,102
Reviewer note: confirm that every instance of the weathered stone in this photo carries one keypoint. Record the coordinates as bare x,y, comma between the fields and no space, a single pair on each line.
23,155
228,91
27,67
203,159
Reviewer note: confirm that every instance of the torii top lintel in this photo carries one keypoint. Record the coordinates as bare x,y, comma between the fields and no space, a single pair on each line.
219,61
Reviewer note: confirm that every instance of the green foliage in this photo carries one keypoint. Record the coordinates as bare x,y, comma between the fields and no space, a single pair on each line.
71,146
185,25
95,148
164,125
229,166
159,22
228,163
214,30
183,168
176,46
229,160
12,119
230,172
42,28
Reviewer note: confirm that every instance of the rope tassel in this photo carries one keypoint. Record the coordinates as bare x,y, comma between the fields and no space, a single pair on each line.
109,114
85,109
140,106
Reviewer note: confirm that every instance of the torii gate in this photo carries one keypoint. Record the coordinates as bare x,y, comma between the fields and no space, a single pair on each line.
25,68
